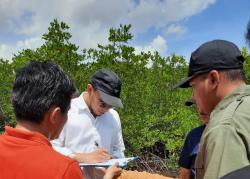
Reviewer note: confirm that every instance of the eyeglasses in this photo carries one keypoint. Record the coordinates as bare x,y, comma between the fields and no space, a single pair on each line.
102,104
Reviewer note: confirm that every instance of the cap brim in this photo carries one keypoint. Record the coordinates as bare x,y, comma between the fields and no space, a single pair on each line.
184,83
111,100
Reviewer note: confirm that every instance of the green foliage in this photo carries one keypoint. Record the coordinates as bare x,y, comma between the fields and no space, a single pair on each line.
6,78
246,55
56,47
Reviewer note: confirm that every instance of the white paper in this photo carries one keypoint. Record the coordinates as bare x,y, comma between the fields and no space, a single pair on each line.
122,162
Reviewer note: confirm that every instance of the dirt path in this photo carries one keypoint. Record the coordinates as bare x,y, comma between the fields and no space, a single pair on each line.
140,175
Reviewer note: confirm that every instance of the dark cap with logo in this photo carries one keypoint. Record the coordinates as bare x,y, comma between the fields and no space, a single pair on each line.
109,86
213,55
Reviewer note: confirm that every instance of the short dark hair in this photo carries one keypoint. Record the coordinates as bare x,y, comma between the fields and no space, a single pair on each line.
235,74
39,86
232,75
248,33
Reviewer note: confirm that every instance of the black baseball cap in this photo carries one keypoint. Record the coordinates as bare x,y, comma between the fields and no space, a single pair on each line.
213,55
109,86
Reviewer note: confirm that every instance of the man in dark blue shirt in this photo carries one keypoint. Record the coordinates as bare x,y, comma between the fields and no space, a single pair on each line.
191,145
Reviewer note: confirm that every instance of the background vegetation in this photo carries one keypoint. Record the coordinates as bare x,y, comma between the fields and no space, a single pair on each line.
155,120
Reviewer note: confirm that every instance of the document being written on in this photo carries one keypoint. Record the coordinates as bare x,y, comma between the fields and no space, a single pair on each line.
123,162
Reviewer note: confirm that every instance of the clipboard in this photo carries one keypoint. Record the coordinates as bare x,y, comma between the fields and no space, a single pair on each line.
123,162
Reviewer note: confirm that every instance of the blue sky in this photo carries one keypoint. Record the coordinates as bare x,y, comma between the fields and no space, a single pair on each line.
168,26
222,20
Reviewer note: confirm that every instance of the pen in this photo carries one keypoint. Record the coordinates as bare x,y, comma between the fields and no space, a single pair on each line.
96,144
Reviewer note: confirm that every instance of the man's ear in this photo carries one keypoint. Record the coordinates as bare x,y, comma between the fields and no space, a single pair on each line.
90,88
214,79
54,115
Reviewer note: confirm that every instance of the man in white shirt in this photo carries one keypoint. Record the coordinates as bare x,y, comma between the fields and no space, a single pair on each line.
93,130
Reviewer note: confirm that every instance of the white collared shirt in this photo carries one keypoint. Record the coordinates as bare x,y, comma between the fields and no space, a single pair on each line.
83,133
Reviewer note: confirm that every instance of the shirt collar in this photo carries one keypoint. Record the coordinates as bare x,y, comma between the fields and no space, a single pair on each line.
81,103
238,93
82,106
32,136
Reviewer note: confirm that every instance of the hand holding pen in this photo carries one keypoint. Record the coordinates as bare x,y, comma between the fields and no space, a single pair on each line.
97,156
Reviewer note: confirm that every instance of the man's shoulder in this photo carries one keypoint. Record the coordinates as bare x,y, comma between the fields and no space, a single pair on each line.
77,101
244,97
57,157
45,153
59,162
244,102
111,113
112,117
247,89
233,113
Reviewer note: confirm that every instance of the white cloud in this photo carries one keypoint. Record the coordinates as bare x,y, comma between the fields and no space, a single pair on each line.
158,44
8,51
11,14
159,13
176,29
90,19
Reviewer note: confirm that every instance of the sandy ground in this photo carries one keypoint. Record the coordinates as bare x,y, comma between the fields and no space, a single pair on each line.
126,174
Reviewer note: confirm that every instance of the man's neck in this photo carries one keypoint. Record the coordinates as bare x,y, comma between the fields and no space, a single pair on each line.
86,98
87,101
28,126
229,87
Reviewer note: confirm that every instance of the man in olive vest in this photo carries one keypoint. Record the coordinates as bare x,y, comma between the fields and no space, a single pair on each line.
217,79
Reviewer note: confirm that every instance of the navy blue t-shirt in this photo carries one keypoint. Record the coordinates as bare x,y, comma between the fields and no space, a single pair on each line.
190,149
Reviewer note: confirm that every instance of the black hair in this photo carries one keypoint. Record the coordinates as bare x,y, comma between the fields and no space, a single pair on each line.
37,87
93,85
